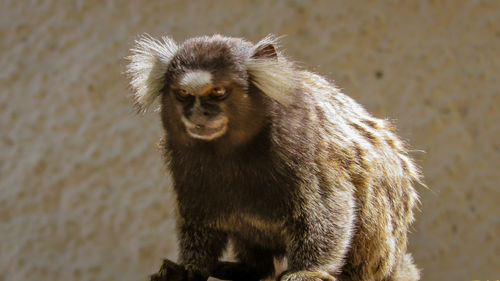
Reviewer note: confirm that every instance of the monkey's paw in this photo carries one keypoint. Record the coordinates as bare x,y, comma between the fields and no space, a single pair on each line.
306,276
170,271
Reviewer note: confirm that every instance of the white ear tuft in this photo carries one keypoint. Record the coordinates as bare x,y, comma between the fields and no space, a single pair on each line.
148,64
271,72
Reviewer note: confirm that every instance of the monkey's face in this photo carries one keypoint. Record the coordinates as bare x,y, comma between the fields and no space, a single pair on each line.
201,104
207,97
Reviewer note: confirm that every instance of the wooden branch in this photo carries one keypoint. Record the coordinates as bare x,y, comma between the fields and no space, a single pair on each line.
236,271
170,271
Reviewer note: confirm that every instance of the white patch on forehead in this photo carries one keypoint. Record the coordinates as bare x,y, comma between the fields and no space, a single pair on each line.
195,80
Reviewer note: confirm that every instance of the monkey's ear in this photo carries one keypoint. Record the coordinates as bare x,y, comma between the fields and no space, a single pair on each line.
147,68
265,50
274,75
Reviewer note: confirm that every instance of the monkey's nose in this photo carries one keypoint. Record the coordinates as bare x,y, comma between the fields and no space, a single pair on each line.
200,118
198,110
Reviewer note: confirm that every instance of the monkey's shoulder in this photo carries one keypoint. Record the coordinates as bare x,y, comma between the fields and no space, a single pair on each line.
332,130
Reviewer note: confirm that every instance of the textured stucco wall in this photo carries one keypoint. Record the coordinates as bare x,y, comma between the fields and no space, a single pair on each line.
84,194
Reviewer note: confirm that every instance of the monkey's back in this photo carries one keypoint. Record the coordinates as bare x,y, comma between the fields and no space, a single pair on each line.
356,153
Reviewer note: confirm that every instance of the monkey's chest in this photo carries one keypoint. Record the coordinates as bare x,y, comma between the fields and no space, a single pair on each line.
249,212
245,194
263,231
236,195
246,200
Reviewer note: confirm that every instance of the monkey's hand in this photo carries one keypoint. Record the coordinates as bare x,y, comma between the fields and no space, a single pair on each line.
171,271
306,276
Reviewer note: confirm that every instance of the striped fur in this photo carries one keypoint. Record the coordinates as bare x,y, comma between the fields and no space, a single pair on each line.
301,171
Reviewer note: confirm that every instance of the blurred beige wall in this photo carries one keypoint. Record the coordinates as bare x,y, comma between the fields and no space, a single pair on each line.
83,191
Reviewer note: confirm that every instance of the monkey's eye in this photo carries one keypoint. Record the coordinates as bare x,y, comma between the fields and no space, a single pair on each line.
181,94
218,93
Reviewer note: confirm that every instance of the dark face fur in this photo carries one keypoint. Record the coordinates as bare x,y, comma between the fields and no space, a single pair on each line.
207,98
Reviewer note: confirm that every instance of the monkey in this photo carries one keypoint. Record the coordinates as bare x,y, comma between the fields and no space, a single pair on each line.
276,160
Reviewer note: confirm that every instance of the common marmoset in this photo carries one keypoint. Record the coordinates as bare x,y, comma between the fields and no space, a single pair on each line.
277,160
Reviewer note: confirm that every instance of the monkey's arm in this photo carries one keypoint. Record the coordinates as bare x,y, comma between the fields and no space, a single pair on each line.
319,234
200,251
200,247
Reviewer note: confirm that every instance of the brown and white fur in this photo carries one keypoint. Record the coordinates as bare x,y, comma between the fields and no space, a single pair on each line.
277,160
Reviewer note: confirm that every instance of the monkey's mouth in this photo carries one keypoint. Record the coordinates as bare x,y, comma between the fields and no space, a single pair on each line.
207,131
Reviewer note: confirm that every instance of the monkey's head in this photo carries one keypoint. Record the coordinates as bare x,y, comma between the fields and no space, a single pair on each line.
212,89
